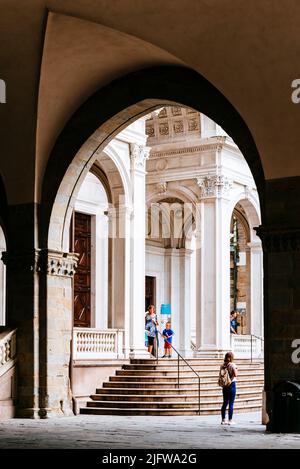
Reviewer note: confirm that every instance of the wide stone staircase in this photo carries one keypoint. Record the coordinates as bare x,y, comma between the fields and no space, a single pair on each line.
150,387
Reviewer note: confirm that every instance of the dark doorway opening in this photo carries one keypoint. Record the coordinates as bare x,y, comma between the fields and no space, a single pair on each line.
82,278
150,293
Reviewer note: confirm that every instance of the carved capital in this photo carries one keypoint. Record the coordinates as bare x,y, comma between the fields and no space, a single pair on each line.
62,264
214,186
138,155
41,261
21,261
279,240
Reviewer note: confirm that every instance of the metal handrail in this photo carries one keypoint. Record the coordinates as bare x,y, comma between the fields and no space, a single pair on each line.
178,368
257,337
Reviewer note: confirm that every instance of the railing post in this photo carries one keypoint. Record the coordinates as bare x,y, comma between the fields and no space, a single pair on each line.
251,347
199,393
178,370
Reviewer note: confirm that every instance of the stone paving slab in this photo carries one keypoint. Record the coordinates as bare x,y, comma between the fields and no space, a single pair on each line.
111,432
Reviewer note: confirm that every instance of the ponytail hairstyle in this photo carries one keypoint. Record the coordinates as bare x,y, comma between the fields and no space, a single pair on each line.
229,357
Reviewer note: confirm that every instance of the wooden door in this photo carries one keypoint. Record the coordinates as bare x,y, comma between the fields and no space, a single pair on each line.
149,291
82,278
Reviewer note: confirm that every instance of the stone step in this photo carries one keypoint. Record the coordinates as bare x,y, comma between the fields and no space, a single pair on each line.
213,410
192,361
179,397
185,371
167,405
166,383
187,391
173,366
172,377
149,387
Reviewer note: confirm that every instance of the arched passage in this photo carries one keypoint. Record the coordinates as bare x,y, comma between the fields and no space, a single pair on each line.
114,107
85,136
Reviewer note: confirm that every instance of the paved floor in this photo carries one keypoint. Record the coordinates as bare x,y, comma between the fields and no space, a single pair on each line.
141,432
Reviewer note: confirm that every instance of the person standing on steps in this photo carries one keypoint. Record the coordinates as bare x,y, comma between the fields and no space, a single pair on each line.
167,335
228,381
151,324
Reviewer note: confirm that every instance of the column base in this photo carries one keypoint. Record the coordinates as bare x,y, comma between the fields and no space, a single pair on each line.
28,413
139,353
185,353
210,353
44,413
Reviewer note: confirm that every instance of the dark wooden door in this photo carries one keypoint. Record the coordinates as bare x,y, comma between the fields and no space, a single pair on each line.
82,278
149,291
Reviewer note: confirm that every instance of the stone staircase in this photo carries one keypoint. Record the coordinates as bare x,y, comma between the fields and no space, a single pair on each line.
147,387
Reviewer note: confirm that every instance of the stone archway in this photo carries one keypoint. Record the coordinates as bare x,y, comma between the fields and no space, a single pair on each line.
250,266
90,129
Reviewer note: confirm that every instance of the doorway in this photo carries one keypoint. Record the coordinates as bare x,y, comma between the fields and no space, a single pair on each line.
150,291
82,278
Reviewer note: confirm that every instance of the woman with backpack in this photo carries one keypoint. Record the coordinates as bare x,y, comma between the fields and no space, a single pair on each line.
227,379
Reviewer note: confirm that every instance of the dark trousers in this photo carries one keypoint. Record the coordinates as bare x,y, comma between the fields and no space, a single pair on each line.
229,394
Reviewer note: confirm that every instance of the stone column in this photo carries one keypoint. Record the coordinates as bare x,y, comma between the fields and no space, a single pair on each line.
100,286
56,272
213,312
185,302
120,275
256,288
138,156
23,314
178,288
173,289
280,235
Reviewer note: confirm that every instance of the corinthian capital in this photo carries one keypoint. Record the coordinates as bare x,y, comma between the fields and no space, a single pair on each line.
138,155
214,186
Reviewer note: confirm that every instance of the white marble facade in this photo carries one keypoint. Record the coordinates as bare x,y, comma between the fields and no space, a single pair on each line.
172,181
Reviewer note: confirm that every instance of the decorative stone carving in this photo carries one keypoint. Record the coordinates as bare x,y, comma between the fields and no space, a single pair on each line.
164,128
161,164
61,263
42,261
178,127
150,131
193,125
176,110
214,186
162,188
279,240
139,154
163,112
